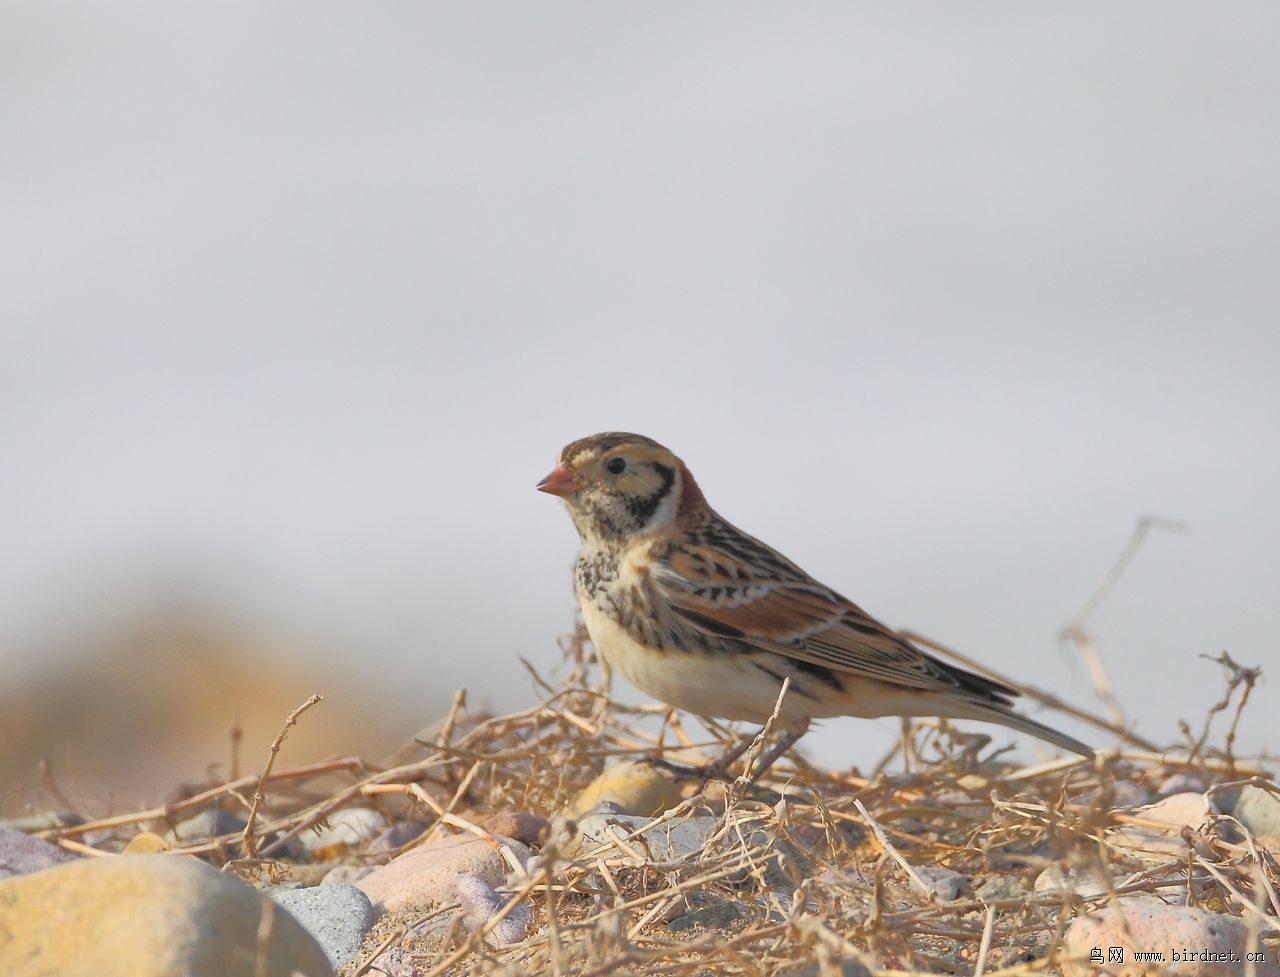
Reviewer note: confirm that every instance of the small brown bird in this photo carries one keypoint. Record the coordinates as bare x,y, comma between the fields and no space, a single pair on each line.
696,613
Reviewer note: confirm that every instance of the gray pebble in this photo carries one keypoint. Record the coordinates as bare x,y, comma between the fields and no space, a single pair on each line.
207,824
848,968
1082,882
667,842
718,915
946,883
337,915
21,854
997,888
46,821
1259,811
397,836
480,903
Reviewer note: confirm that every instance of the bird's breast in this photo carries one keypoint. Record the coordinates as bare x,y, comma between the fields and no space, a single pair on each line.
629,636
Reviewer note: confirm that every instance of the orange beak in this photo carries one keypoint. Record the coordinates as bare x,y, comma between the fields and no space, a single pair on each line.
560,482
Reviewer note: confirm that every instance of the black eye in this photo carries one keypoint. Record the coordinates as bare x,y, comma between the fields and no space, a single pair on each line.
616,466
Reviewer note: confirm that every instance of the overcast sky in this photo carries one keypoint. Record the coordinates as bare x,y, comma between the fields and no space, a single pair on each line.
300,301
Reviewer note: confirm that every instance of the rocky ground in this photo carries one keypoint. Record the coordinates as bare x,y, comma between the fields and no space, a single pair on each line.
549,842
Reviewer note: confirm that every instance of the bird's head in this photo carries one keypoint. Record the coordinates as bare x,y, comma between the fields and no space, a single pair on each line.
622,486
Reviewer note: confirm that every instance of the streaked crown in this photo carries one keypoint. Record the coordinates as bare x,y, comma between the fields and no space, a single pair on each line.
619,486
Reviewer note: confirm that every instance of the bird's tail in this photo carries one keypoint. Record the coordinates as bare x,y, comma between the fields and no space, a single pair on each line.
996,713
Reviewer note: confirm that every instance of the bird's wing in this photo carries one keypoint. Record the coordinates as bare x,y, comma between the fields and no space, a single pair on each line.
731,585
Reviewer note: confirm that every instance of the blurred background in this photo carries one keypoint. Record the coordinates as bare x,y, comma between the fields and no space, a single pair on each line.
300,301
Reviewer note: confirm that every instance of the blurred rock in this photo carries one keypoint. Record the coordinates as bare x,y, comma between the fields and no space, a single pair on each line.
135,680
717,915
1182,782
1082,882
153,916
427,876
207,825
481,903
636,787
947,884
1259,811
1118,795
345,831
396,961
1001,888
669,842
395,837
847,968
1149,926
21,854
1169,817
46,821
513,823
1179,810
338,916
146,843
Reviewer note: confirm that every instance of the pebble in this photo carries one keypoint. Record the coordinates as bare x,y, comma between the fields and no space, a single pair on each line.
1118,795
211,823
669,842
847,968
1001,888
146,916
1149,926
1172,814
395,837
1182,782
1259,811
21,854
638,788
427,876
1126,793
338,916
1188,809
520,825
345,831
718,915
45,821
947,884
146,843
481,903
1082,882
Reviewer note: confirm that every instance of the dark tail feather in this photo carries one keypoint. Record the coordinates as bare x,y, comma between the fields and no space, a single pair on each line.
993,713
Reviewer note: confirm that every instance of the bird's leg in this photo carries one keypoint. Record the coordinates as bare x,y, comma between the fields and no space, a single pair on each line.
720,767
716,769
784,742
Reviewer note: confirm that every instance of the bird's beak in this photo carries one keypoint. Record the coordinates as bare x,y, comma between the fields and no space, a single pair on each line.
560,482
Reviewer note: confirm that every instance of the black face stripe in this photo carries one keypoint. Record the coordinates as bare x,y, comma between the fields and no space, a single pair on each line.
643,509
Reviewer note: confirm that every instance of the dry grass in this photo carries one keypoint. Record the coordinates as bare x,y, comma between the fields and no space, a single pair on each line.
809,866
803,870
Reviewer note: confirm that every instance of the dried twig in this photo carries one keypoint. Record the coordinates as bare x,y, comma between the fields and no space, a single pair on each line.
250,845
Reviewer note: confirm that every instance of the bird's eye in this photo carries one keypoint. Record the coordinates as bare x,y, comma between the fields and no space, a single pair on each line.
616,466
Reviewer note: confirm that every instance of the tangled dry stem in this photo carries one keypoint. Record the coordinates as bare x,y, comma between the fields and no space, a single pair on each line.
809,866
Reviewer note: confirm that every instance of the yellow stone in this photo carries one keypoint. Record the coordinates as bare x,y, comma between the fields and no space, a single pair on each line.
636,787
147,917
146,843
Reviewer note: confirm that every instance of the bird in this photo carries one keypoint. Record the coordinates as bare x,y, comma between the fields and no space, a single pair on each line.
708,619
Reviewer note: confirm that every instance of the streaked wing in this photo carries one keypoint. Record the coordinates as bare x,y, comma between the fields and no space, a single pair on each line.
729,584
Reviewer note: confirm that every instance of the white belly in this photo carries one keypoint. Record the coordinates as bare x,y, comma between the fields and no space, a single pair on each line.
725,686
